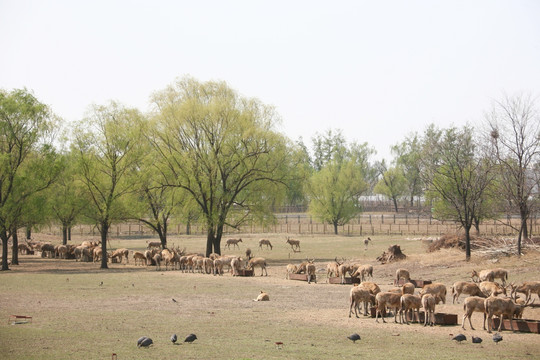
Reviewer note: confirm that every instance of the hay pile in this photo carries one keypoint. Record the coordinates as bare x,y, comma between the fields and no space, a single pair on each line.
392,254
483,246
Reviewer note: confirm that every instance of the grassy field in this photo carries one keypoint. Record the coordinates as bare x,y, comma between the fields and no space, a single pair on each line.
75,317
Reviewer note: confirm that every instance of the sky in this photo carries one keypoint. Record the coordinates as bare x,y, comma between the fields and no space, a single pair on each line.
376,70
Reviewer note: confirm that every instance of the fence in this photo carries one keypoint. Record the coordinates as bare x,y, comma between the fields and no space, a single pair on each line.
301,223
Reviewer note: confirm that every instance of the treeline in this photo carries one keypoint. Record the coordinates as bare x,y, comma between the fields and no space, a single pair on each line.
206,154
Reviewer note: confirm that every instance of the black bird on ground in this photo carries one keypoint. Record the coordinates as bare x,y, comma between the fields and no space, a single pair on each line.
459,338
190,338
354,337
497,338
476,340
144,342
174,300
174,338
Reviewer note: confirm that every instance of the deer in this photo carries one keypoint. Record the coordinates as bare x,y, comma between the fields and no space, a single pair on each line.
490,275
265,242
295,244
233,242
497,306
464,287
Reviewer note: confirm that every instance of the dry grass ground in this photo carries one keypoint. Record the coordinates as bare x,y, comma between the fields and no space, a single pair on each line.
74,317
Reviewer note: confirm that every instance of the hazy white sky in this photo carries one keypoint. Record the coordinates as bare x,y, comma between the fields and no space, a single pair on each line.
377,70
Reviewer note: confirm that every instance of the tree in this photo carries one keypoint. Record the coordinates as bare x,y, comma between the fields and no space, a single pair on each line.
515,136
67,197
334,192
221,149
392,184
457,177
107,147
407,157
27,158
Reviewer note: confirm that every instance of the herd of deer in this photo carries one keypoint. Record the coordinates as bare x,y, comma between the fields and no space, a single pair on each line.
484,295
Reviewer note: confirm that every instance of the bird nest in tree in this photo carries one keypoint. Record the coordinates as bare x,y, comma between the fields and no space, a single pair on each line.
392,254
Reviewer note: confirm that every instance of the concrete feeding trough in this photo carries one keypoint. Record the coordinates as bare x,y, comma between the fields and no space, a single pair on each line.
302,277
522,325
442,318
348,280
416,283
373,312
245,272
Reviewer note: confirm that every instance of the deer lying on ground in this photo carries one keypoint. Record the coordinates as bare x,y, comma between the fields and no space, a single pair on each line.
265,242
385,300
262,297
490,275
464,287
428,303
295,244
527,288
436,289
258,261
501,307
233,242
402,274
491,288
359,295
410,303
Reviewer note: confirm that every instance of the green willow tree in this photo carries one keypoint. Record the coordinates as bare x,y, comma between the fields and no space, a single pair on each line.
392,184
222,149
107,146
407,157
27,158
67,197
335,192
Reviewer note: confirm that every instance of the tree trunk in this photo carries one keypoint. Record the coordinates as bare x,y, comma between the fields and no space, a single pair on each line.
522,231
209,242
69,233
15,248
64,234
188,227
5,249
28,233
104,233
335,227
467,242
395,204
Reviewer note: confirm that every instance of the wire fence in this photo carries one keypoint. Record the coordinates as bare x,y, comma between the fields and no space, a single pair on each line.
304,224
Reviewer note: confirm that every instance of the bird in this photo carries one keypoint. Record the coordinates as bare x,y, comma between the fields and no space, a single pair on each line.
354,337
459,338
144,342
174,300
497,338
476,340
101,283
190,338
174,338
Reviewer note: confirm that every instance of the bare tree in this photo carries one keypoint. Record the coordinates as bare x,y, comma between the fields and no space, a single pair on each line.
515,136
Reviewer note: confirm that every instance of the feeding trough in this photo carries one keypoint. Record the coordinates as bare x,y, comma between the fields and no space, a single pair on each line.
347,280
416,283
522,325
302,277
245,272
19,319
